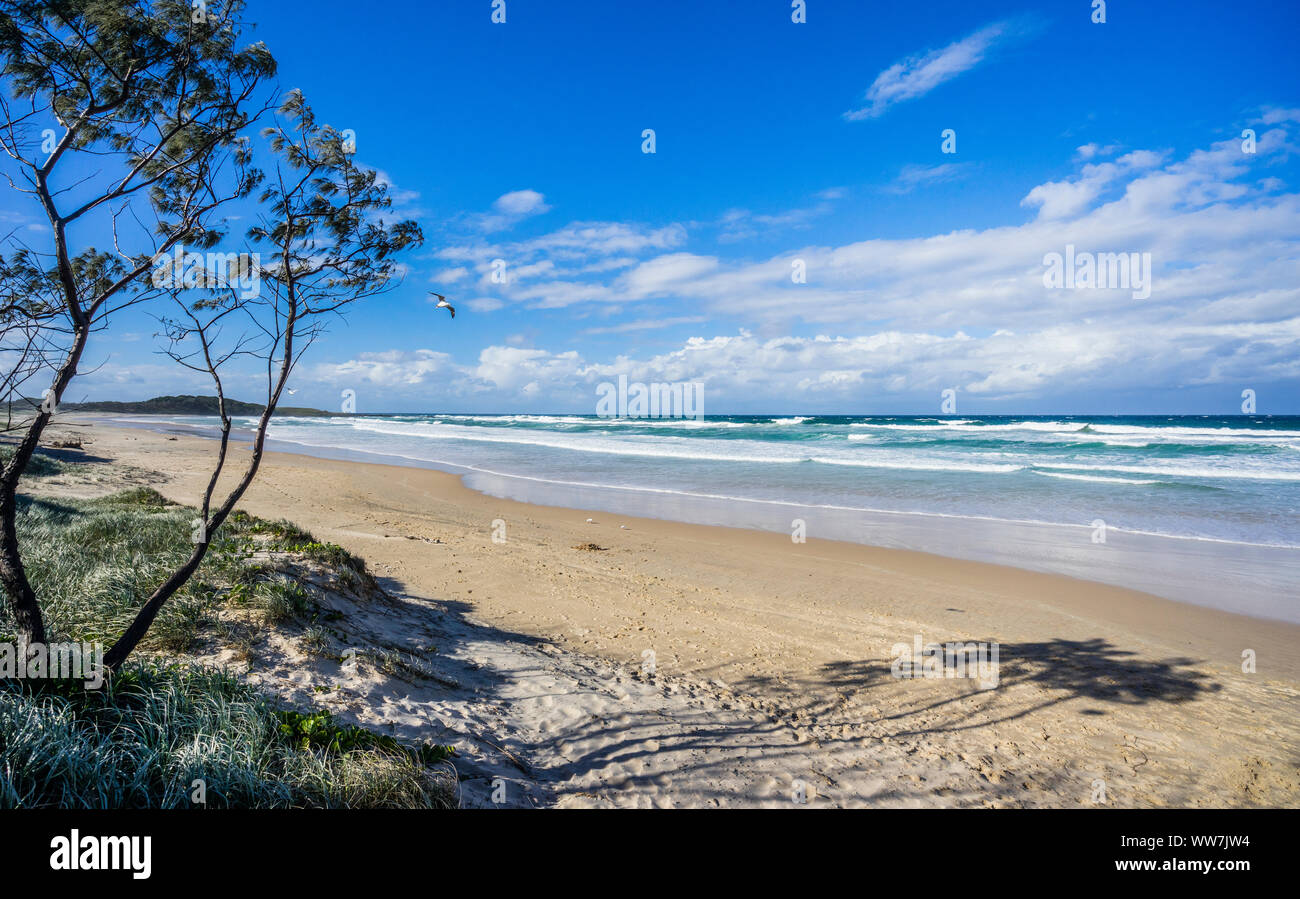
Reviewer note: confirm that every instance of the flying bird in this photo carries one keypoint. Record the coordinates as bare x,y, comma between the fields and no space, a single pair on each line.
443,304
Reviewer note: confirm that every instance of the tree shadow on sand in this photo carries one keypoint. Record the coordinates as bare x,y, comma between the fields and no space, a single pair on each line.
1094,670
838,711
847,727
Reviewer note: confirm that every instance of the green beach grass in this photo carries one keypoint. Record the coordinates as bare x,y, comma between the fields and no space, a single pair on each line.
163,725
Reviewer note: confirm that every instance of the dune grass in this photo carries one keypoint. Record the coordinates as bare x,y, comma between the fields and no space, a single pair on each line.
161,725
39,466
155,733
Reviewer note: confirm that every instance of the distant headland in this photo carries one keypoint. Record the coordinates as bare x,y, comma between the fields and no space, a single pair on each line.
186,405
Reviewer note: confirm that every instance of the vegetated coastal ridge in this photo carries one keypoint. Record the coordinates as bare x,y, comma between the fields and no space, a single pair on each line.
185,404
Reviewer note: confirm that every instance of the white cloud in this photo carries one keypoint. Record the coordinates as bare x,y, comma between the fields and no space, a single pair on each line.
742,224
1093,150
1061,199
406,203
1275,115
650,324
661,274
510,209
450,275
918,75
521,203
391,368
510,369
541,271
576,242
967,308
484,304
1200,213
828,372
914,176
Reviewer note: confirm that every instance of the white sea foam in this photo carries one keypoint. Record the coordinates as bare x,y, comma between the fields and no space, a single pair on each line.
1031,476
1098,479
1199,472
684,448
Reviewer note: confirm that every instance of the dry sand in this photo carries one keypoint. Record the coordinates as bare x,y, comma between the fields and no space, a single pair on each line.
684,665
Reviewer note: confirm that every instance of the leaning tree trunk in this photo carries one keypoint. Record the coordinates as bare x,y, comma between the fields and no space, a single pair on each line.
13,575
144,619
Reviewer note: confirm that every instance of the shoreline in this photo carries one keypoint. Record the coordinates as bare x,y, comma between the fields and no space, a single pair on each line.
455,483
798,638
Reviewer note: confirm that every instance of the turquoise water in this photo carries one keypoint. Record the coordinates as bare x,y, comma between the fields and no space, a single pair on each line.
1231,478
1181,498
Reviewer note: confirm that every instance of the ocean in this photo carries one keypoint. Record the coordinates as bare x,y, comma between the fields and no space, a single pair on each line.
1195,508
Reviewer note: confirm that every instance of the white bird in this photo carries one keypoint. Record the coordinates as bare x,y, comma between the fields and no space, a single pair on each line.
291,391
443,304
591,521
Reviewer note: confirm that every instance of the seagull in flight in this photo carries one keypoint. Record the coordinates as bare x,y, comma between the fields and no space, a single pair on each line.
443,304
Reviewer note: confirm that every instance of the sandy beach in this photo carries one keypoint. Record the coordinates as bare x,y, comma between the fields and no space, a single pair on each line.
623,661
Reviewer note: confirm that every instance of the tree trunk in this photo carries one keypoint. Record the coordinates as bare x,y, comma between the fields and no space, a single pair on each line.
132,636
13,575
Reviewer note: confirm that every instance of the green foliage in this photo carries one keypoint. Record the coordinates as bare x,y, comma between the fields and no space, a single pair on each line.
153,730
282,599
284,534
316,640
95,562
326,219
137,496
189,405
39,466
152,102
320,730
152,98
331,555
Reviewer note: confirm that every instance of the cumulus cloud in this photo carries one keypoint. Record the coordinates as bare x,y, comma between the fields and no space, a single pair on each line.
450,275
391,368
827,371
1275,115
1059,199
1093,150
1196,214
546,271
521,203
965,309
510,209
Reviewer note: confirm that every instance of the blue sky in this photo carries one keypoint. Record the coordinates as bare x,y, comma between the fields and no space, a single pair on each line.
818,142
